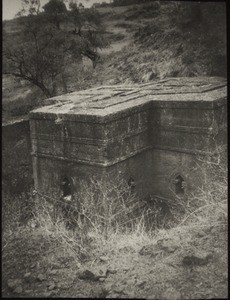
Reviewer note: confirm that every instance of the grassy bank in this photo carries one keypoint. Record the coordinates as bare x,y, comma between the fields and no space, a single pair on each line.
121,238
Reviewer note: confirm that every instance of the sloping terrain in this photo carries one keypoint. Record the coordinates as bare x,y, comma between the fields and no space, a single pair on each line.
164,43
18,98
186,263
148,41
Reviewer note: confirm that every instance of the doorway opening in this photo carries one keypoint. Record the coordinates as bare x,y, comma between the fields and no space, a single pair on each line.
179,183
131,184
66,188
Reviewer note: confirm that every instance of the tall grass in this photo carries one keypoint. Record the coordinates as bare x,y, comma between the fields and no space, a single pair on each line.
105,215
208,204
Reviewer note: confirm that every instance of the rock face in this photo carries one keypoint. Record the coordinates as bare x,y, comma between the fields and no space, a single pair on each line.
149,134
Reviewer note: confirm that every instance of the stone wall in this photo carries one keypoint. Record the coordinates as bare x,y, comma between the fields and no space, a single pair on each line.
16,160
152,133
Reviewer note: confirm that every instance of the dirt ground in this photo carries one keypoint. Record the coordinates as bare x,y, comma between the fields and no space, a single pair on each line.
34,266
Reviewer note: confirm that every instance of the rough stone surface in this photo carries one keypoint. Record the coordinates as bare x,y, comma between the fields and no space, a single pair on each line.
14,283
151,132
141,283
171,294
18,290
48,294
51,286
29,278
53,272
41,277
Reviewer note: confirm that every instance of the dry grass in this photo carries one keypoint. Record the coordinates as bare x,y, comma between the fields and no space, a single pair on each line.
107,217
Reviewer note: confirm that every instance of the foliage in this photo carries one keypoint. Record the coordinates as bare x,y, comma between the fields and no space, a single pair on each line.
104,211
55,7
17,211
130,2
56,11
42,56
76,17
43,50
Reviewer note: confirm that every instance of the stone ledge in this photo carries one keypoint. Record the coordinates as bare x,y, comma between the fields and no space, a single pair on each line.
88,141
106,104
112,162
105,163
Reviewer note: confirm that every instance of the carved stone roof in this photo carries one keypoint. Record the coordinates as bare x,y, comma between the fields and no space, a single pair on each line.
110,101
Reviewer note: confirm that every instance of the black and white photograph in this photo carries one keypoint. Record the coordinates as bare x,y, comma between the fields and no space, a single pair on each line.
114,149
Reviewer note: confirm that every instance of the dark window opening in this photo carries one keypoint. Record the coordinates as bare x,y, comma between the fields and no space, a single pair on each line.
131,184
66,187
179,185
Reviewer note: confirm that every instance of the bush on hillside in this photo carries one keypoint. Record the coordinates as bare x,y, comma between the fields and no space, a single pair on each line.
44,48
131,2
193,35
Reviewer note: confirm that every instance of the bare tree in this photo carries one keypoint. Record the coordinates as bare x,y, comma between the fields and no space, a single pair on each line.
42,51
39,54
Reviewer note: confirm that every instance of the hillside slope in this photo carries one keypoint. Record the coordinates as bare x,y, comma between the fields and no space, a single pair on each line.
185,262
166,41
149,41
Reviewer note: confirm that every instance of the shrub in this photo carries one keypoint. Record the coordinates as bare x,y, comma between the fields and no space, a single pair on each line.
208,203
17,210
105,205
105,212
